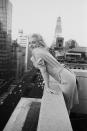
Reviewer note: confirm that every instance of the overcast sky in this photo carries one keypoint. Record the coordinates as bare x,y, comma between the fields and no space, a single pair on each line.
40,16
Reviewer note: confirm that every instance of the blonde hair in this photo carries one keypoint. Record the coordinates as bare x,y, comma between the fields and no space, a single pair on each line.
39,40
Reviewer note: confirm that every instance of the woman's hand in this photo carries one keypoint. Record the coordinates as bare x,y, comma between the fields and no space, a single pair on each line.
51,91
33,61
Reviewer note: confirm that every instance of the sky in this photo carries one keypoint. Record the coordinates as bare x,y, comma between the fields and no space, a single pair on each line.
40,16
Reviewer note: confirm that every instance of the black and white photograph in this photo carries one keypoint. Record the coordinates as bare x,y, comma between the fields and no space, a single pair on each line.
43,65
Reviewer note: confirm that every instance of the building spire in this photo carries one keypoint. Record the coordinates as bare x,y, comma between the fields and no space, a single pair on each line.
58,29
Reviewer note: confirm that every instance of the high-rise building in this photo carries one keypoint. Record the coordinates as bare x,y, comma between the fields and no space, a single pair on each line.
5,38
23,41
18,60
58,29
22,38
58,34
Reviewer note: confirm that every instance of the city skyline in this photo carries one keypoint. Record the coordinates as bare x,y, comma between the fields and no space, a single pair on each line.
41,16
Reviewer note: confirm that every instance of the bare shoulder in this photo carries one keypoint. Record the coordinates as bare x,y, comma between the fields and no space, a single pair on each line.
39,51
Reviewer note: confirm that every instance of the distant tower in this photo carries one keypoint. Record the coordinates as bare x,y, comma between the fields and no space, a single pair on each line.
58,34
58,29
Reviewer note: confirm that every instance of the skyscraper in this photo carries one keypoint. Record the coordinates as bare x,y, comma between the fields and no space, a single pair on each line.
5,38
58,34
22,38
58,29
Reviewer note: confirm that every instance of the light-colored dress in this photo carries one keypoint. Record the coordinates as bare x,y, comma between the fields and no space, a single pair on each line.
41,59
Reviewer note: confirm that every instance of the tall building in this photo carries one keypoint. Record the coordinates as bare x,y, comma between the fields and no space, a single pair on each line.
23,41
58,34
58,29
18,60
5,38
22,38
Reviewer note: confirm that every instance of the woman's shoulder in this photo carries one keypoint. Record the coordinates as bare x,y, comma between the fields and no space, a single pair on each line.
39,51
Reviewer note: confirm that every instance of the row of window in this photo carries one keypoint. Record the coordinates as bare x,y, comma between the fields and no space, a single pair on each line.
2,3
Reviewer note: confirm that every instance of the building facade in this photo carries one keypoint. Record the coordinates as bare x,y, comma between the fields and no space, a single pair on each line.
5,38
23,41
58,34
18,61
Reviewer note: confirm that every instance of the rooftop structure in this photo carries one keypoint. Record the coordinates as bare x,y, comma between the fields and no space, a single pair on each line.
78,49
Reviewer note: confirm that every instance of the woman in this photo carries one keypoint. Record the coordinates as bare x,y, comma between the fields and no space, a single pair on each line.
48,65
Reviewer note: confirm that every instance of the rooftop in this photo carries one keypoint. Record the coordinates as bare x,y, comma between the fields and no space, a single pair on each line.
78,49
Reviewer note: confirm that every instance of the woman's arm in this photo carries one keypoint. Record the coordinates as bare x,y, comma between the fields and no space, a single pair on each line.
42,66
39,63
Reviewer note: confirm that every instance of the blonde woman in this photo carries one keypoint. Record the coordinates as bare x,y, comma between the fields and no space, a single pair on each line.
48,65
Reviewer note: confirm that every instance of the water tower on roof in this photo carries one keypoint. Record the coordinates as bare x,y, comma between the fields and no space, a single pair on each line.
58,34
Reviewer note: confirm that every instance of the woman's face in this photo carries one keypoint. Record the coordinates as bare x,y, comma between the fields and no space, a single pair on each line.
32,43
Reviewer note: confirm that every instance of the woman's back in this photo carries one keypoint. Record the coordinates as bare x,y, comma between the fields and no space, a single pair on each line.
46,56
